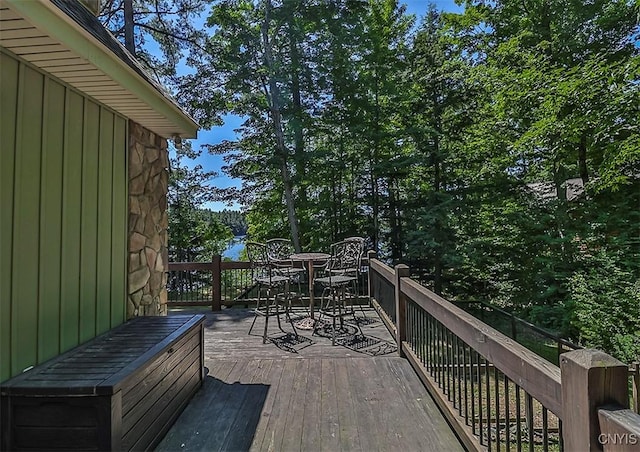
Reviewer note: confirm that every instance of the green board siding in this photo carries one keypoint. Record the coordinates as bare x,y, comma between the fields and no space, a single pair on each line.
8,102
89,221
119,223
63,220
26,220
105,179
50,219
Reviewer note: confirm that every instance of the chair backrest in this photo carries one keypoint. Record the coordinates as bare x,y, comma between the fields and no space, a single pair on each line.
362,241
257,255
279,249
346,255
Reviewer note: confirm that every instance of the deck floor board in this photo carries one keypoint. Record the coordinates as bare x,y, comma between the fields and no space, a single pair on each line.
289,396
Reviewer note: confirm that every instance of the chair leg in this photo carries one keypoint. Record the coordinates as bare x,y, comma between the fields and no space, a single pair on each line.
278,315
333,335
357,294
266,319
255,317
317,323
353,313
295,332
339,303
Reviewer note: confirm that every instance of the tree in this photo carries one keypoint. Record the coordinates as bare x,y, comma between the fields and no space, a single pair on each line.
249,53
555,81
437,107
170,26
194,236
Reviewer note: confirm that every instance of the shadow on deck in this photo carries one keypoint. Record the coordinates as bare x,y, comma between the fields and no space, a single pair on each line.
307,395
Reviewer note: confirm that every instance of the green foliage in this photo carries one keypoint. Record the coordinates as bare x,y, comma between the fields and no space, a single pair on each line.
606,305
233,219
553,83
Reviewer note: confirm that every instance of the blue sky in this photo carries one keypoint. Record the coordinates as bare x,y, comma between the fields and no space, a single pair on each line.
226,131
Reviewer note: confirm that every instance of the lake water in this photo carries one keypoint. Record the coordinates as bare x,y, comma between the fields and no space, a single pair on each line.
235,247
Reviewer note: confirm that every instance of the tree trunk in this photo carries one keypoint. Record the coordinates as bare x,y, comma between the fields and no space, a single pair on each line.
374,172
281,149
298,135
582,159
129,42
394,220
437,187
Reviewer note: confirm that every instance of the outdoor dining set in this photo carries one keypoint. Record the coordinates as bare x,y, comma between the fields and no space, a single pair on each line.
278,273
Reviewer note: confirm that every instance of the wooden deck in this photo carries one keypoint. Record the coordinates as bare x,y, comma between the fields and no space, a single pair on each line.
309,396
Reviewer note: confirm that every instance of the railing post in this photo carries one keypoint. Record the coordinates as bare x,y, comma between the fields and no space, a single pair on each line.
216,283
560,349
590,379
635,385
370,255
401,307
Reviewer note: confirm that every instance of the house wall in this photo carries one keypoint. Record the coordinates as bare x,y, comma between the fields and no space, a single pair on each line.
63,217
148,258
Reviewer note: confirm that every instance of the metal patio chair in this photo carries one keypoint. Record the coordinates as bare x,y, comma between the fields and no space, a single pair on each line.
279,252
336,301
276,286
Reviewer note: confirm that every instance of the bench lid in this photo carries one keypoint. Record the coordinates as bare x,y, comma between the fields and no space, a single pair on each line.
100,365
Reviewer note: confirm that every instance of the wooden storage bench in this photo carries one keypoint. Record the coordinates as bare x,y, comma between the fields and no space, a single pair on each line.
119,391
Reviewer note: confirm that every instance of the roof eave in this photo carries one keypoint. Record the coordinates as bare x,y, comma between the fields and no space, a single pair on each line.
47,16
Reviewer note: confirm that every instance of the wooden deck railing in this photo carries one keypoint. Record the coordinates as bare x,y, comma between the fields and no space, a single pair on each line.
497,394
208,283
219,283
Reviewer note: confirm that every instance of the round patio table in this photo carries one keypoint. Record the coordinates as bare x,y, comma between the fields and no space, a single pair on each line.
310,259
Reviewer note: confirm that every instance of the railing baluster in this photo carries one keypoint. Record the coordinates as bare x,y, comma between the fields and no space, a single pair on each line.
496,392
423,337
465,376
437,351
456,378
518,420
432,346
415,332
507,414
409,329
480,411
442,355
488,398
418,333
429,348
449,365
472,381
529,414
545,430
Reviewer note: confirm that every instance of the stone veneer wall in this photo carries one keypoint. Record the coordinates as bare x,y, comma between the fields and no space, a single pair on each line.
148,258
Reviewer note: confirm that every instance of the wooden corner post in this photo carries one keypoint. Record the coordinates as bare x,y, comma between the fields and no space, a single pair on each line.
370,255
216,283
401,307
590,379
